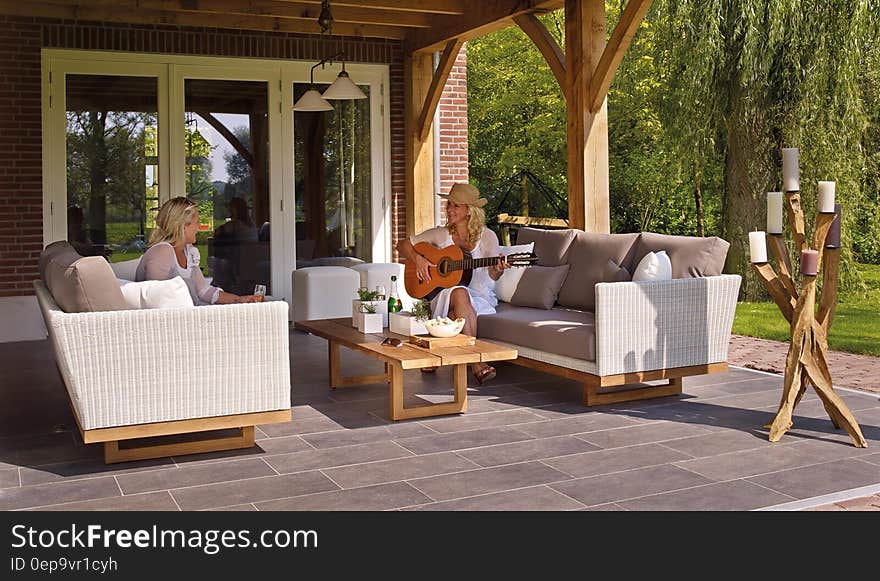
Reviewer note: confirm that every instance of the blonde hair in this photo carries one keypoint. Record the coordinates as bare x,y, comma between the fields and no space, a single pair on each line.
173,217
475,224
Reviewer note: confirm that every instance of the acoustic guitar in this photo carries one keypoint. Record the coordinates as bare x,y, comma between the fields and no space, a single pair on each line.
454,268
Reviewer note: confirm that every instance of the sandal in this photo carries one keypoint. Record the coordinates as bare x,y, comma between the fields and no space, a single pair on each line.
485,374
428,369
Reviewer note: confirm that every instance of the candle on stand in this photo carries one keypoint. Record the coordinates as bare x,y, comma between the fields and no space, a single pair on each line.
809,262
826,197
774,212
832,239
791,180
758,246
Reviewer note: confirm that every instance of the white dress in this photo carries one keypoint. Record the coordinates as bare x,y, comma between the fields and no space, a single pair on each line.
160,263
481,288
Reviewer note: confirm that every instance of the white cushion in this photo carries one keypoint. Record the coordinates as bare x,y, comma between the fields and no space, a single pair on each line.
156,294
654,266
506,285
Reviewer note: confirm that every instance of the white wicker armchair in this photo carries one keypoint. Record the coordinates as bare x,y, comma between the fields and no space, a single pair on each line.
143,373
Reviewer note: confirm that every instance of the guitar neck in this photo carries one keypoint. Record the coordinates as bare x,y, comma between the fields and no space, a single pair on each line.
471,263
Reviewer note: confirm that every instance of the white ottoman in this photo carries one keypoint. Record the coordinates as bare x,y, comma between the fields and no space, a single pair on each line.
323,292
374,274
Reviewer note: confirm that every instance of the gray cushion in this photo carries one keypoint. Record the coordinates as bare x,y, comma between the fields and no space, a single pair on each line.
588,255
550,245
614,273
539,286
691,256
561,331
80,284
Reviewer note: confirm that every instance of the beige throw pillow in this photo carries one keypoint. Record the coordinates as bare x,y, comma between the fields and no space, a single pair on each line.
550,245
539,286
80,284
506,285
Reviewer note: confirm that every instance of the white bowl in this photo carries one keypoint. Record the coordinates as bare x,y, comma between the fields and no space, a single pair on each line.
437,328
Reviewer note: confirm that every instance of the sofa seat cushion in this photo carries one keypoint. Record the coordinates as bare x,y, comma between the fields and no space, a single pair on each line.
691,256
550,245
80,283
588,255
567,332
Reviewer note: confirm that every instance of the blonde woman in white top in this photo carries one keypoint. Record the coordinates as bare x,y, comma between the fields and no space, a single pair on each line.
466,228
173,253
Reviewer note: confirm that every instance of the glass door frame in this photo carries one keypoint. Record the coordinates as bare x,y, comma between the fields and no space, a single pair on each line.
54,72
213,69
377,78
171,71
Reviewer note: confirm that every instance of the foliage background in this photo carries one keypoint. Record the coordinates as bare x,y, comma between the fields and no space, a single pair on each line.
706,97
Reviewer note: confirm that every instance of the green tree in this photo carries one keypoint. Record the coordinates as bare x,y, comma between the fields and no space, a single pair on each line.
748,77
516,112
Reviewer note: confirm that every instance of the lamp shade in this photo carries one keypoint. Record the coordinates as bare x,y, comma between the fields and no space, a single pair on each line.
343,88
312,101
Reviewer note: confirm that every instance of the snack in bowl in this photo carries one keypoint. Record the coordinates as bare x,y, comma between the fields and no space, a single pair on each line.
444,326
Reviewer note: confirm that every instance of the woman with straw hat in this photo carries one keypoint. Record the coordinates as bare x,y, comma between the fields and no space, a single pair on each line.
466,228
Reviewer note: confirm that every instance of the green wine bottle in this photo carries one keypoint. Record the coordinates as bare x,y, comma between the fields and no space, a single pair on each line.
394,304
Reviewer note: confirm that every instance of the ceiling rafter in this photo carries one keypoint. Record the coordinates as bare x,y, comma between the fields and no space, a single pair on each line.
303,10
484,17
84,11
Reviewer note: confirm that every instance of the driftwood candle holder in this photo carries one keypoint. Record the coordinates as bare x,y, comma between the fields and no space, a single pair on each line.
806,363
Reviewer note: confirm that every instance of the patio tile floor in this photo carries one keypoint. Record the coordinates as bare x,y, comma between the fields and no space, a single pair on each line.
526,443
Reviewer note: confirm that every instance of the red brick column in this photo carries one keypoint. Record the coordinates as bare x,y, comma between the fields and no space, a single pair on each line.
21,179
454,126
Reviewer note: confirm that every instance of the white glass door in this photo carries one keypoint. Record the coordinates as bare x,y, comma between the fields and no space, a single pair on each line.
224,146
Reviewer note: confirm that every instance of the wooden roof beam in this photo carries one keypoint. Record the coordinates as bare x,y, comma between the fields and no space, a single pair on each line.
616,48
228,21
454,7
447,60
547,45
482,18
277,9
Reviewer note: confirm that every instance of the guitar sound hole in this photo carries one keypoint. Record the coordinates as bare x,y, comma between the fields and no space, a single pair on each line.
443,267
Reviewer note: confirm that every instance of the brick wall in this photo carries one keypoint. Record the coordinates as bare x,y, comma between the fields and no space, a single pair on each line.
21,198
21,181
454,127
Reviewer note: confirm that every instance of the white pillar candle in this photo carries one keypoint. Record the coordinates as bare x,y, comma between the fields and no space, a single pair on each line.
826,197
758,246
791,178
774,212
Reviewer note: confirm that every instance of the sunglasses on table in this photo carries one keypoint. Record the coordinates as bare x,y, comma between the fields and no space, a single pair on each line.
392,342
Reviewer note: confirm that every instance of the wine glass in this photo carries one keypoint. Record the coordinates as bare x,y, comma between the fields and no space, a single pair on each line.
260,291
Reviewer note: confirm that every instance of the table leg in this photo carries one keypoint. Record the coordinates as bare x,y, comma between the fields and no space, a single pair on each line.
457,406
337,379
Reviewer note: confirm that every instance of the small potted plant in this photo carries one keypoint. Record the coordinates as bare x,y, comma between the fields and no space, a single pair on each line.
411,322
368,297
370,321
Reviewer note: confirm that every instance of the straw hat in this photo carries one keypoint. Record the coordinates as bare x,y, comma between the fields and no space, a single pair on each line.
462,193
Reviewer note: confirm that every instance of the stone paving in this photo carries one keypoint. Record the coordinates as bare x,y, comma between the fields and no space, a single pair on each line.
525,443
861,372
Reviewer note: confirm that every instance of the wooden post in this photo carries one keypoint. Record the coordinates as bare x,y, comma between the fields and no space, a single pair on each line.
418,73
806,361
587,130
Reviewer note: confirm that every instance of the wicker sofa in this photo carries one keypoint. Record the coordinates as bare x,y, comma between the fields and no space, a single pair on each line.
613,336
139,373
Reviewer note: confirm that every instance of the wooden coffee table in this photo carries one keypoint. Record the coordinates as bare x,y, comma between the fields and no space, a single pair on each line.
407,356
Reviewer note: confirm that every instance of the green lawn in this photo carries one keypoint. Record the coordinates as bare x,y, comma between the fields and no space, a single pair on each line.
856,326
